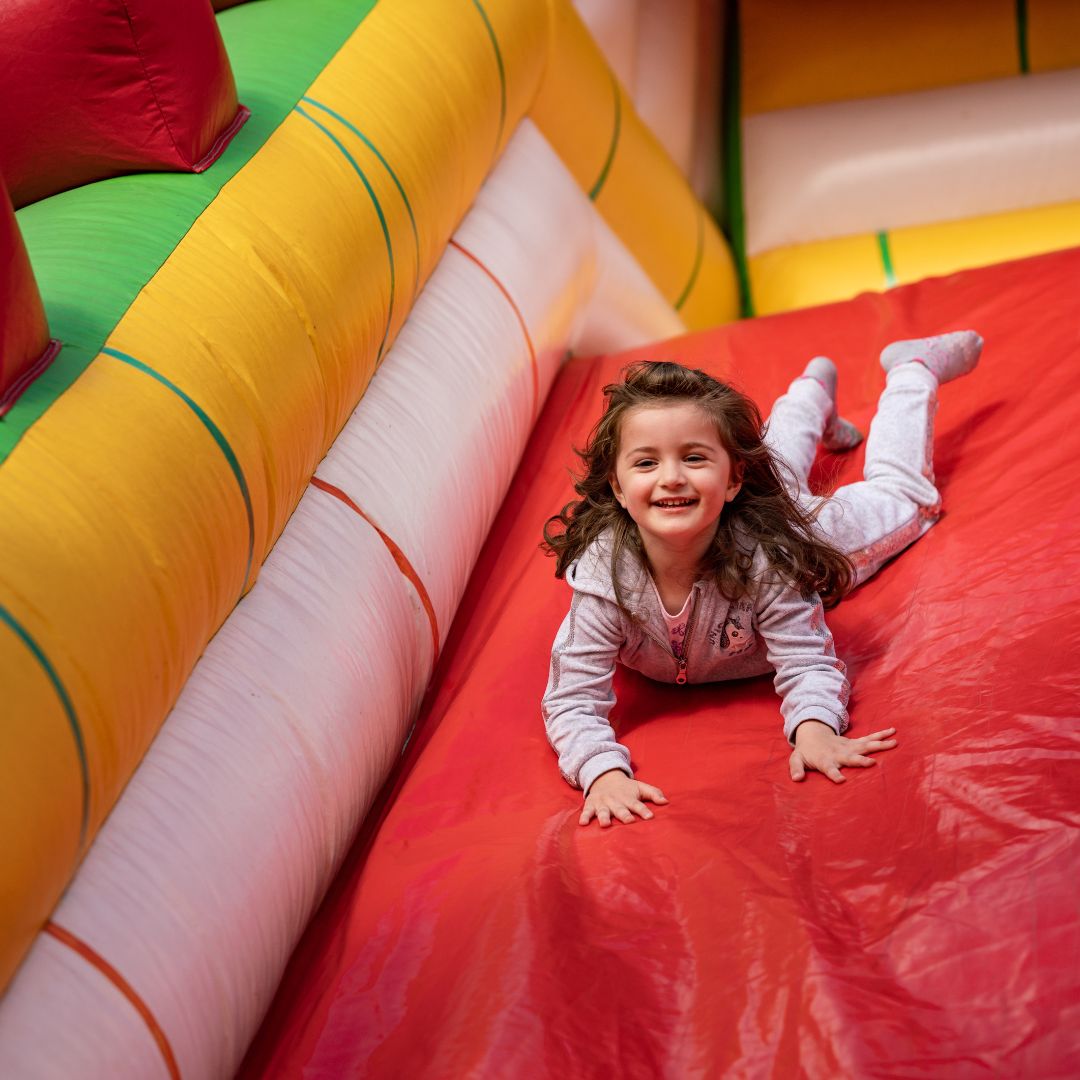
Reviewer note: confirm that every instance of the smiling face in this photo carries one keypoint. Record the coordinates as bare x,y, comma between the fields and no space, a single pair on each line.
674,477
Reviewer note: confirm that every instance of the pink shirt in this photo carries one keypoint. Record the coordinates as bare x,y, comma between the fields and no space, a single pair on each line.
676,624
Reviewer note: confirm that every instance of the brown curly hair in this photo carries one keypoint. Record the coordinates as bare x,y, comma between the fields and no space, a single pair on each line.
763,513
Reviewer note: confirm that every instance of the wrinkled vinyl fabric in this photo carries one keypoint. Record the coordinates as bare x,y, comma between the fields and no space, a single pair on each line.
921,919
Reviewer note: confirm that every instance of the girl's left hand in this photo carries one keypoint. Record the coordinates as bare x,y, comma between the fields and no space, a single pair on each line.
818,747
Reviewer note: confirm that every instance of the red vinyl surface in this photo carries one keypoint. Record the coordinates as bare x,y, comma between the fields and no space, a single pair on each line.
24,333
93,88
920,920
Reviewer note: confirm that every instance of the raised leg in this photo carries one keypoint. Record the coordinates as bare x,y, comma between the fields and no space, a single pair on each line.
805,416
875,519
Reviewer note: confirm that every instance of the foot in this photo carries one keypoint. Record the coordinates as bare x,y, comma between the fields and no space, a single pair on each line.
839,434
948,356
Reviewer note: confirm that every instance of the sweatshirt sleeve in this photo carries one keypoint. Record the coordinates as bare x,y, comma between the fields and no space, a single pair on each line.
579,694
810,680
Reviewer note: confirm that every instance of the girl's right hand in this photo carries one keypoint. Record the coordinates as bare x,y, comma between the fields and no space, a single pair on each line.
614,794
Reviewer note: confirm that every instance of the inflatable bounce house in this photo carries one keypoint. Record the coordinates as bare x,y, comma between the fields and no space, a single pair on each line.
303,306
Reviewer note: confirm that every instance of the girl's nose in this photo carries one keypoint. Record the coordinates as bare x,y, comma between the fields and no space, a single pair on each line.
671,473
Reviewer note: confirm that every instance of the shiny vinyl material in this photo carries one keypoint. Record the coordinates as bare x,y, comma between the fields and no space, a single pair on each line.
167,947
920,919
89,90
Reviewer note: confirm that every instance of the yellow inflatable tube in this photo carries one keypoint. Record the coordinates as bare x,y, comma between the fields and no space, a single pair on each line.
588,119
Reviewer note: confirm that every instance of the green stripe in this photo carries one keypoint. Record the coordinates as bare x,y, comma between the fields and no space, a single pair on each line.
94,248
214,430
697,260
616,129
732,150
69,711
886,259
382,221
1022,35
393,176
502,72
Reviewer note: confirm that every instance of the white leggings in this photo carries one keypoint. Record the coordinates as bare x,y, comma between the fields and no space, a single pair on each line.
876,518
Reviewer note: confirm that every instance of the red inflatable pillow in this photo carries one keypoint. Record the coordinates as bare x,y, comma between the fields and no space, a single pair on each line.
25,348
93,88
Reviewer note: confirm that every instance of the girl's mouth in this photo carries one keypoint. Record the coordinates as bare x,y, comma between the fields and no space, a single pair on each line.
674,504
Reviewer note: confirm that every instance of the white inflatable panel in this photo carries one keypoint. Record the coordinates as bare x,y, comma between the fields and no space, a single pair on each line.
205,874
856,167
112,1041
666,88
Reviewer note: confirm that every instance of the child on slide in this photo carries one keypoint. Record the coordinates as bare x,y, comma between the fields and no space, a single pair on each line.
696,552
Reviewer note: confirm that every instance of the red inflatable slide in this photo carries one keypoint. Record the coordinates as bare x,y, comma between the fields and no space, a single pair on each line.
920,920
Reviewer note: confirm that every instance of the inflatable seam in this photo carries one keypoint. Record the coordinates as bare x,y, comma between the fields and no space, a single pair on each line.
78,946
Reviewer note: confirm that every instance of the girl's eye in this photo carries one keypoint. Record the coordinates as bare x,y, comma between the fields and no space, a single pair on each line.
694,458
644,463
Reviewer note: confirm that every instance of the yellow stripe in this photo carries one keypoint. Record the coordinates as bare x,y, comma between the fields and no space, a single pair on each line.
819,273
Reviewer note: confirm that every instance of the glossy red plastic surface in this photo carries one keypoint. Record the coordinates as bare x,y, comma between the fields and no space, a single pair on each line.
920,920
93,88
24,333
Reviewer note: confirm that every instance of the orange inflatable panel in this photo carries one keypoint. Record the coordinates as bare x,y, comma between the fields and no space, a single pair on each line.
919,920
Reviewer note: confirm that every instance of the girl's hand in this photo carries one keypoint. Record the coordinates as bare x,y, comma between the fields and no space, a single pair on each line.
614,794
818,747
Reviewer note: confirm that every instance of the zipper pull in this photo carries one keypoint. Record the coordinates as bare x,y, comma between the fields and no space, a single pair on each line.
681,677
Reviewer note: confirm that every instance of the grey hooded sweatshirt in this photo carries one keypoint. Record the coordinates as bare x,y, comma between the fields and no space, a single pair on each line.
772,629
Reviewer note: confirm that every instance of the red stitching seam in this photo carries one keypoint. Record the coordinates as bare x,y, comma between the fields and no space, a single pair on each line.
521,322
15,390
223,140
96,960
408,571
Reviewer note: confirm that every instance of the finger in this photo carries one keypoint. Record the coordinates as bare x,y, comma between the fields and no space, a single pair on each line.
834,774
653,794
866,746
603,815
641,810
624,815
882,744
586,815
883,734
795,765
858,761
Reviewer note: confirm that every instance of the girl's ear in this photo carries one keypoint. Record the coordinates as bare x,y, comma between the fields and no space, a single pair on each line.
734,482
613,480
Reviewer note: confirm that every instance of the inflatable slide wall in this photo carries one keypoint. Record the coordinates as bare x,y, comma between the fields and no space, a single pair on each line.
296,305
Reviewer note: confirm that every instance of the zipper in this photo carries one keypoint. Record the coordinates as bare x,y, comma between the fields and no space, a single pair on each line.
680,662
680,678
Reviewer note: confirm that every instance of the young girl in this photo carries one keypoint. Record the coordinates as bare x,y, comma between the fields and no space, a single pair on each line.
696,552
